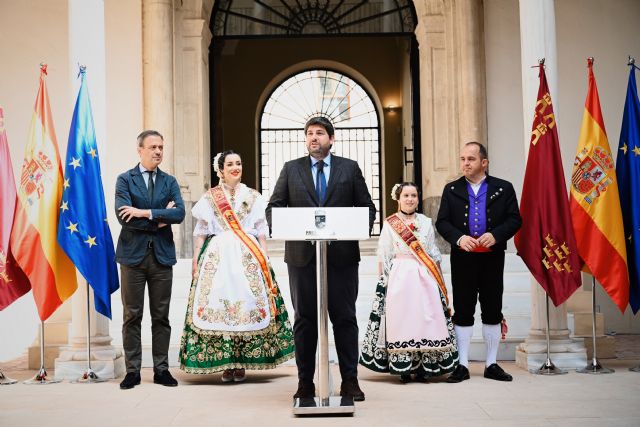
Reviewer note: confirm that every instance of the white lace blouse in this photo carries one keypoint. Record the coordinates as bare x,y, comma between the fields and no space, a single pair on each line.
390,244
254,223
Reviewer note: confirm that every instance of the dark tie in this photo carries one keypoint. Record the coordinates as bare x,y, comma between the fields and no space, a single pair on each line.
321,181
150,185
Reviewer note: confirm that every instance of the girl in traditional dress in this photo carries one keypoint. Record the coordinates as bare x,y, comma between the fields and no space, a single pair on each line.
236,318
410,329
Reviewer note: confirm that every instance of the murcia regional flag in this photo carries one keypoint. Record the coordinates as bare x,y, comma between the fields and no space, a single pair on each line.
545,241
13,281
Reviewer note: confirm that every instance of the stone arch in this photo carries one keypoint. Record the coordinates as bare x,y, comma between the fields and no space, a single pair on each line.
356,113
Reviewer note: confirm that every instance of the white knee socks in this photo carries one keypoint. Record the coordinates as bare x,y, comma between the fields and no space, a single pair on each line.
463,335
491,335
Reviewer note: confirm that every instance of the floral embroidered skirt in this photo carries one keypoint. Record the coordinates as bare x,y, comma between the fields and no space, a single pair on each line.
205,351
414,333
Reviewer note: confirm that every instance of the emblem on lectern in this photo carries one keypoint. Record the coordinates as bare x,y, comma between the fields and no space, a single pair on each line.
321,218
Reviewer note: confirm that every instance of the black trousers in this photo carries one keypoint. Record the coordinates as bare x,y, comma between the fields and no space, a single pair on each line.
133,281
343,292
477,276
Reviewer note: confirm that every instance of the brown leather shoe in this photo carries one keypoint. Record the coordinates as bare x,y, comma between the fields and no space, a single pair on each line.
239,375
227,376
306,390
350,387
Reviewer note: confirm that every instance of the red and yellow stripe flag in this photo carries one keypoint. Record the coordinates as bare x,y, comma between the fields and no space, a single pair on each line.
35,225
595,204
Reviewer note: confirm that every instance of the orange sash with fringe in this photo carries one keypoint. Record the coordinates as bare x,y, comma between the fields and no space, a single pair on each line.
407,236
221,204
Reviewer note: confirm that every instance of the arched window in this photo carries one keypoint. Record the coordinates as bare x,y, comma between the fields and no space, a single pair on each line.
232,18
330,94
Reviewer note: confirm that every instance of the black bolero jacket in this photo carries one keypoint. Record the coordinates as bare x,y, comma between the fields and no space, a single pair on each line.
503,215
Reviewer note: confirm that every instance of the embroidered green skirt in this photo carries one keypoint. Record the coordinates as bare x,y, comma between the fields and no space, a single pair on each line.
204,351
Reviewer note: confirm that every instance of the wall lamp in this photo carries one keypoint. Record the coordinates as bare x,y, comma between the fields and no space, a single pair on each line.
391,109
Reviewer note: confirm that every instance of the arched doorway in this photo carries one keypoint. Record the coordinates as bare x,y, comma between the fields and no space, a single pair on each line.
255,40
327,93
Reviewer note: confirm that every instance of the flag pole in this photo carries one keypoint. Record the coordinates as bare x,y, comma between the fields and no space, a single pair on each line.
632,63
89,376
6,380
594,367
548,368
42,377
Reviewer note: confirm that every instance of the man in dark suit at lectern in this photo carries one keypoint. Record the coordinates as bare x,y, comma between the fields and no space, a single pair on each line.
322,179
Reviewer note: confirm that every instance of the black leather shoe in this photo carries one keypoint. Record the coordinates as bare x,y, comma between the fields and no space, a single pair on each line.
405,378
421,378
495,372
164,378
130,380
460,374
350,387
306,390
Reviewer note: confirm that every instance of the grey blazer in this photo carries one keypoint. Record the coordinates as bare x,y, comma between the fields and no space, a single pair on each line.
346,188
131,190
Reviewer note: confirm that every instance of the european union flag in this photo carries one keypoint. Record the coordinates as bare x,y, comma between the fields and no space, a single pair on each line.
628,172
83,231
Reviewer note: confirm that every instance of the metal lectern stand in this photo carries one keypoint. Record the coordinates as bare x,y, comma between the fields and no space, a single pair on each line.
321,226
323,403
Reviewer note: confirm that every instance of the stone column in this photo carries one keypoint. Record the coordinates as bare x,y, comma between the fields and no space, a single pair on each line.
538,40
157,59
87,47
159,47
106,361
472,98
453,91
192,127
438,107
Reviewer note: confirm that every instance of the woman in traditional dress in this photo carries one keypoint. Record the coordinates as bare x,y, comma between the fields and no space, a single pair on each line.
236,318
410,329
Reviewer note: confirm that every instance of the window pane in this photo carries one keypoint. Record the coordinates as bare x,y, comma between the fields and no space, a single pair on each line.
320,93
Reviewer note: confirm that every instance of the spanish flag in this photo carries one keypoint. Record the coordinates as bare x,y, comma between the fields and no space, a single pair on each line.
35,223
595,205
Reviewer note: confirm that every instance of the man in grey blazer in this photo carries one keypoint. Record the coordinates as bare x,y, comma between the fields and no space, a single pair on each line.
322,179
148,201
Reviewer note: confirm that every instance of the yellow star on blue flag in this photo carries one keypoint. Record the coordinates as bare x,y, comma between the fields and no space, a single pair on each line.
628,173
75,163
88,240
91,241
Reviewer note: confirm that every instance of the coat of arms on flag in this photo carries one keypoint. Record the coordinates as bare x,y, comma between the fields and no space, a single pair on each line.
590,177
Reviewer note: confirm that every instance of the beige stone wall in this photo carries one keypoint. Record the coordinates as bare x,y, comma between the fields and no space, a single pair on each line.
33,32
123,38
504,91
604,29
608,31
452,90
39,31
28,38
